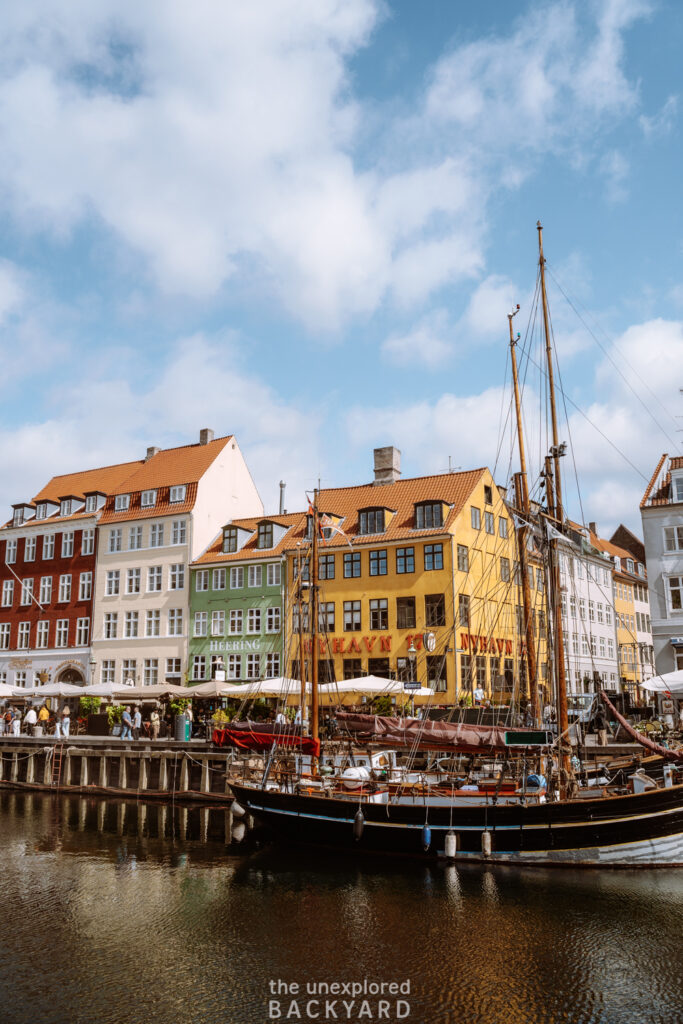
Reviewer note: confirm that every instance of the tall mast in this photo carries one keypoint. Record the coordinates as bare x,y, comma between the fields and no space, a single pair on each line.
553,485
314,620
522,534
556,453
302,662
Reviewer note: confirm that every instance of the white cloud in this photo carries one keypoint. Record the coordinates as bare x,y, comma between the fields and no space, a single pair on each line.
489,305
662,122
427,345
615,169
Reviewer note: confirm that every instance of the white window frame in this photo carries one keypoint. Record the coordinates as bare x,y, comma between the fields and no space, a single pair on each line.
108,670
255,576
218,622
4,636
274,574
30,549
88,542
153,622
68,544
11,552
62,633
115,540
273,619
235,625
177,493
254,621
135,538
234,666
121,502
148,499
218,579
133,580
26,596
198,666
112,586
253,666
176,576
131,625
179,531
175,622
48,545
273,665
156,535
24,636
64,593
82,632
154,575
42,634
237,577
201,580
150,676
84,586
110,627
201,623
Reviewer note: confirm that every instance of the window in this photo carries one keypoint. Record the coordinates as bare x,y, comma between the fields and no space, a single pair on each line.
111,621
254,620
201,580
153,622
253,666
176,577
264,537
114,541
304,620
26,592
82,632
463,558
600,612
505,570
177,493
88,542
591,611
610,647
217,623
326,567
218,579
325,617
602,647
23,636
608,615
673,538
175,621
304,567
572,606
575,643
675,592
405,560
379,613
463,609
67,544
428,515
198,666
255,575
172,667
435,610
121,502
133,581
234,666
4,636
475,517
48,545
236,578
433,556
488,494
371,520
129,668
352,565
132,624
274,616
43,634
353,668
178,531
148,499
41,510
30,549
11,552
62,637
502,527
582,606
480,670
405,613
113,582
201,623
65,507
352,616
153,578
235,621
630,566
436,672
584,645
406,669
156,535
108,671
64,589
274,575
378,563
134,538
151,672
489,522
84,586
229,539
272,665
91,503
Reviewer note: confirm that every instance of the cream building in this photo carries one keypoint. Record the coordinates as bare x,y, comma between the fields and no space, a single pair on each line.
160,519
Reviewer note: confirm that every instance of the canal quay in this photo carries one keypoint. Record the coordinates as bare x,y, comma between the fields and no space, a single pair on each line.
147,912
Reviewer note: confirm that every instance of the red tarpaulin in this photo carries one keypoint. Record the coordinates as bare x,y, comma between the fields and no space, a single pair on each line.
423,735
255,740
645,741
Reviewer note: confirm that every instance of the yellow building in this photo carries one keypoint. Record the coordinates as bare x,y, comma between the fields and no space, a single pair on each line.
416,581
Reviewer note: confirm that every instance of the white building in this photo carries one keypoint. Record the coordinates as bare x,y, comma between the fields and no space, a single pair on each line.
661,512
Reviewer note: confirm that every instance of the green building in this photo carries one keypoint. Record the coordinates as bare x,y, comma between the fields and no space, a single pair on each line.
238,602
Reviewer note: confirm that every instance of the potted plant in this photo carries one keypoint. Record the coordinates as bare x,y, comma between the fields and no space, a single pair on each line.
96,723
178,707
114,714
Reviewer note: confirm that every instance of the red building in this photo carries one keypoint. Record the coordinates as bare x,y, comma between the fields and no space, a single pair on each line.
48,552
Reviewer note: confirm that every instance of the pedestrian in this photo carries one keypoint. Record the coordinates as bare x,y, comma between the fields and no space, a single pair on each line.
66,721
478,695
137,722
30,721
3,723
43,718
16,722
600,727
154,723
281,718
126,725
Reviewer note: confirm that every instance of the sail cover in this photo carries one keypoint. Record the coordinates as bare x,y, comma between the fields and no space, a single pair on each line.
645,741
423,735
262,739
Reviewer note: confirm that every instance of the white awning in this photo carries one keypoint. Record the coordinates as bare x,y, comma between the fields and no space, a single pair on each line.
671,681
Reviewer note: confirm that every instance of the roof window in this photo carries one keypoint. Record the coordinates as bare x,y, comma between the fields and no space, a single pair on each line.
148,499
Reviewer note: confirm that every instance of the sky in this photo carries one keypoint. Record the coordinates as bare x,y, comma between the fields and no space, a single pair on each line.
305,222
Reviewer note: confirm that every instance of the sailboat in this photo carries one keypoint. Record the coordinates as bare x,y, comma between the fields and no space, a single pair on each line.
519,800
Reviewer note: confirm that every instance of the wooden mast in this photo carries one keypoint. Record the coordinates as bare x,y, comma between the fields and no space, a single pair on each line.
302,662
314,621
554,495
522,535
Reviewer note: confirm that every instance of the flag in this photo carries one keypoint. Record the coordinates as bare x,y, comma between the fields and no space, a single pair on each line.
326,523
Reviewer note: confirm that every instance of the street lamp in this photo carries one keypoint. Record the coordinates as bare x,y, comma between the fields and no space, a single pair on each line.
92,664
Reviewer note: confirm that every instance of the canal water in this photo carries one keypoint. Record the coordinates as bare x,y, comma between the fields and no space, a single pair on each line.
133,913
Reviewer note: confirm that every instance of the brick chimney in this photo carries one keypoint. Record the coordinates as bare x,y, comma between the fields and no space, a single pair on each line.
205,435
151,452
593,528
387,465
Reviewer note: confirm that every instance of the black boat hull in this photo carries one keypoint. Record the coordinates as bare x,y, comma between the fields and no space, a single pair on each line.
636,829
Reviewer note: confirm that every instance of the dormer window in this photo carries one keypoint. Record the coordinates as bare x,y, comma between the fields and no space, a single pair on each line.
641,569
41,510
148,499
617,563
371,520
229,539
265,535
630,566
18,517
91,503
121,502
65,507
178,493
677,488
428,515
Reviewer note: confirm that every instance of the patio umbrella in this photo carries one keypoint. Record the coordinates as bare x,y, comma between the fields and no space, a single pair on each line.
55,690
669,681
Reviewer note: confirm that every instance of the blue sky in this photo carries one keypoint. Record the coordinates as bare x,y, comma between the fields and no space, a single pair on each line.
305,221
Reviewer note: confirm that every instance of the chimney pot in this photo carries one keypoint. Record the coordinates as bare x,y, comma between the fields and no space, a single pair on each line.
151,452
387,465
205,435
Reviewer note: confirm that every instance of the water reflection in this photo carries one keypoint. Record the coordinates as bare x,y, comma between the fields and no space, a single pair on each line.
148,913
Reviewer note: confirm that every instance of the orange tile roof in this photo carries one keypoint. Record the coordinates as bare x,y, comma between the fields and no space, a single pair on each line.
613,549
163,506
214,553
105,479
662,496
172,466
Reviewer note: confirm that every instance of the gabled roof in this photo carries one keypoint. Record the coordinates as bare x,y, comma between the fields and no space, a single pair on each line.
621,553
172,466
106,479
658,491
